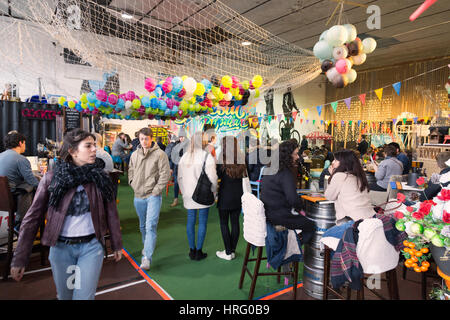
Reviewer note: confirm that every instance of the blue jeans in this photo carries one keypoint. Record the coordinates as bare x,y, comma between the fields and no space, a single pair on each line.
76,269
176,187
202,221
338,231
148,212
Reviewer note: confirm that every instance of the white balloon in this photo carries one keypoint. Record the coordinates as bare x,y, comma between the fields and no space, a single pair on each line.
336,36
190,85
323,50
351,75
128,104
358,60
351,31
340,52
228,96
333,75
210,96
369,45
349,64
322,36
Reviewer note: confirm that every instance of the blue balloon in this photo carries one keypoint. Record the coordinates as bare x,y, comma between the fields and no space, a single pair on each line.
98,104
120,104
177,84
168,112
91,97
66,104
145,102
158,91
79,108
154,103
207,84
162,105
175,109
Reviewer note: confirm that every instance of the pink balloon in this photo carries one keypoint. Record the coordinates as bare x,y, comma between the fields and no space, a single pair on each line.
224,90
112,99
170,103
182,93
130,95
150,84
167,87
101,95
341,66
180,112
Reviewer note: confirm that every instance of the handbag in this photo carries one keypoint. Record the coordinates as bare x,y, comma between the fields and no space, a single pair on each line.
246,187
202,193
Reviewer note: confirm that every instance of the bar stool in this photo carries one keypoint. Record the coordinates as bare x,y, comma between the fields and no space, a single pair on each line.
257,273
391,279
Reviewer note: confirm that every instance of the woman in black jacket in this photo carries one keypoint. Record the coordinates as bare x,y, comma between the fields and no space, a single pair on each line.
279,193
230,171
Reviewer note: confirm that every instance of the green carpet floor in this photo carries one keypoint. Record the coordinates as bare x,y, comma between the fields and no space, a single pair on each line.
208,279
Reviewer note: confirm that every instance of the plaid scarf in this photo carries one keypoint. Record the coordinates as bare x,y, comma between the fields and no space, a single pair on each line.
68,176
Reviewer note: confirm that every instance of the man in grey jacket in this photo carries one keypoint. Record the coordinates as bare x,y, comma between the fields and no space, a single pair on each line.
17,169
387,168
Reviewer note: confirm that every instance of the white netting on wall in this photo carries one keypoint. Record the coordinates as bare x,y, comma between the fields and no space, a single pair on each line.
86,40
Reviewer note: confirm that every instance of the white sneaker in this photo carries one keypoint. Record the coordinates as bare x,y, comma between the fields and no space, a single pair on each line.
143,253
223,255
233,255
145,263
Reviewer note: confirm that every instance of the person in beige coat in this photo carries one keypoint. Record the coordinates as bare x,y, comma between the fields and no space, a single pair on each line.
148,174
189,171
349,189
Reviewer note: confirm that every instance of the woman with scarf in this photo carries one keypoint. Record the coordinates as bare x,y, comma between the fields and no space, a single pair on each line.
79,201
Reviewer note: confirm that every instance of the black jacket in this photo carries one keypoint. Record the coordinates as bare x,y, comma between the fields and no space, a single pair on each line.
279,195
362,147
254,168
433,189
230,191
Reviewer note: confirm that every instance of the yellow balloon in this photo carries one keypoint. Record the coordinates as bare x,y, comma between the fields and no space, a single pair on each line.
61,100
200,90
184,78
257,81
227,81
84,105
245,85
220,95
83,98
71,104
215,91
256,93
192,100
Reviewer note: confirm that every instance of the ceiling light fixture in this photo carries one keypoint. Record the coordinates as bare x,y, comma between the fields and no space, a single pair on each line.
246,43
126,16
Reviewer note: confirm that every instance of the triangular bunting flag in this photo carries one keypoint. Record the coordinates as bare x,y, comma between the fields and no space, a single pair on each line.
314,121
359,123
415,120
348,102
394,121
342,122
379,93
362,98
404,120
280,117
334,105
307,121
321,121
301,120
397,87
350,123
305,111
259,120
319,110
294,115
270,118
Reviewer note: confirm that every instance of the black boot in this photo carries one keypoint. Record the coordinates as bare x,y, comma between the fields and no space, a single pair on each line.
192,253
199,255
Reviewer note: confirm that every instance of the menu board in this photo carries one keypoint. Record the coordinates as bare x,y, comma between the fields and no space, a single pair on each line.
72,119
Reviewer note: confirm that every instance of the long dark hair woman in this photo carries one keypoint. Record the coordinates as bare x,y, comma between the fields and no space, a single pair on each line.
79,201
279,192
230,170
349,189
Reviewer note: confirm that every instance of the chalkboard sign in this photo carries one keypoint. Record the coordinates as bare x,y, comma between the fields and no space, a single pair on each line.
72,119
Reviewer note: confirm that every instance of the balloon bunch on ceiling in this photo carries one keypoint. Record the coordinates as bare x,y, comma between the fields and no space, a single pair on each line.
173,98
339,49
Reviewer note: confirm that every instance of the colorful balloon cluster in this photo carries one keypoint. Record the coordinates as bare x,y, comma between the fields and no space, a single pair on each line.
339,49
172,98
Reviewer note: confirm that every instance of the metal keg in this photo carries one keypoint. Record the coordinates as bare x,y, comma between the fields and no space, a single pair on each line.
324,216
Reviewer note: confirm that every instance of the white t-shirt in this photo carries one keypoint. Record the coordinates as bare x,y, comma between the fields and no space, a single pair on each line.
78,220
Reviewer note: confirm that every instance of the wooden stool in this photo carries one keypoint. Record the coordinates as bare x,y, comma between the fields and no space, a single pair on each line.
391,279
256,272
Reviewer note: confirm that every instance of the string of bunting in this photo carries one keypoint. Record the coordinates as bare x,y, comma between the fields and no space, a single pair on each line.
362,98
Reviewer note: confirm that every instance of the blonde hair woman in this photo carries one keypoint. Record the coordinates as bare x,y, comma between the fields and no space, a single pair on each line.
189,171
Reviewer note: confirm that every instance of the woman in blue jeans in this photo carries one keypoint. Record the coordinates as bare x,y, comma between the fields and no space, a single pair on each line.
349,189
79,201
189,171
